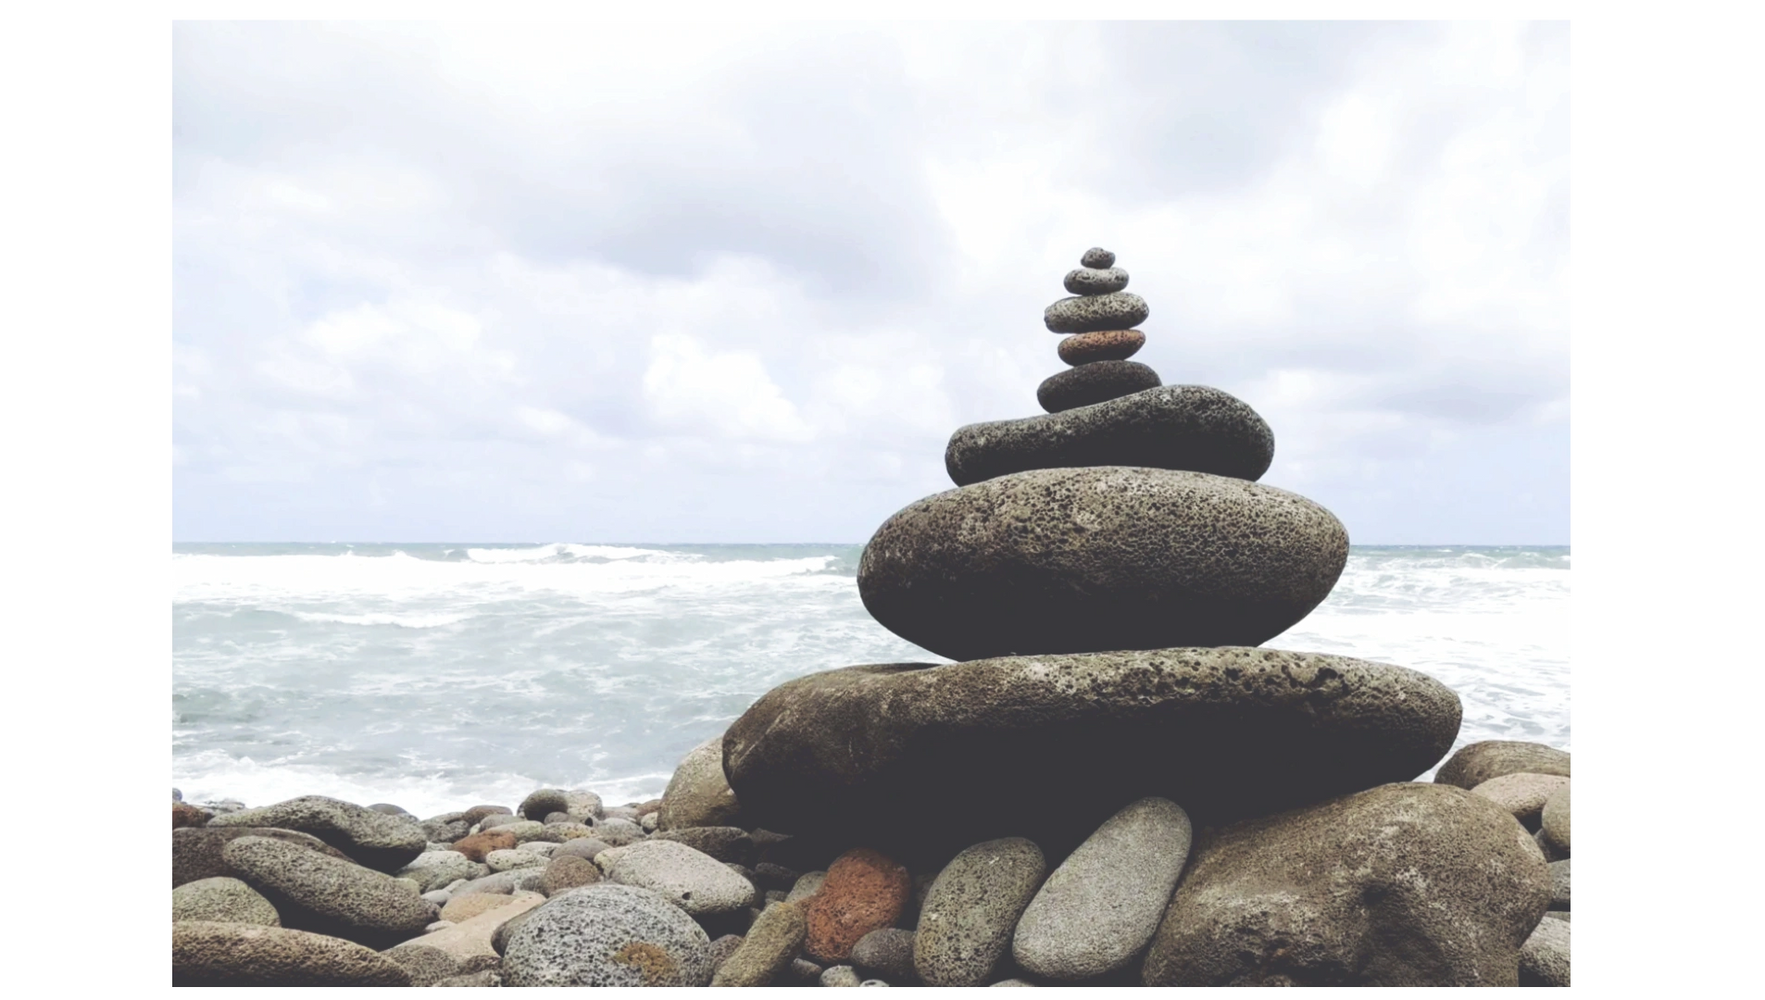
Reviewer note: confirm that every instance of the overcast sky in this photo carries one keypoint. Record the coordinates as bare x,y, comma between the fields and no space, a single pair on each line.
506,283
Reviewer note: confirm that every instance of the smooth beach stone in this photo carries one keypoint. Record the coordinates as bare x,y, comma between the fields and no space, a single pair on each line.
426,965
1098,382
1192,428
1411,884
1100,345
864,752
540,803
223,900
768,948
569,872
618,832
477,814
864,890
840,975
558,817
721,949
1559,871
1095,280
184,815
1544,958
1083,560
606,859
196,851
607,935
495,820
439,925
1476,763
432,870
1523,794
725,843
1084,313
439,897
583,805
472,938
873,982
562,833
888,952
478,846
651,822
807,885
1097,257
383,843
1101,906
1014,982
580,847
503,861
316,893
543,848
629,812
485,977
466,907
391,810
690,879
208,953
445,828
698,794
1555,819
966,923
1550,851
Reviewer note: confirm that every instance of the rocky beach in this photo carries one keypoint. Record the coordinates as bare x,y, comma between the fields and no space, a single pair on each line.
1114,784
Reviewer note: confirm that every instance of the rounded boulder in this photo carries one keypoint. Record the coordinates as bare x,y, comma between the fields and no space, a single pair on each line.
317,893
1555,819
1523,794
1475,763
607,935
698,794
690,879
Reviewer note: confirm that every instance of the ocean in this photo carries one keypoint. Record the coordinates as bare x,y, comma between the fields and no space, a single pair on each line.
437,677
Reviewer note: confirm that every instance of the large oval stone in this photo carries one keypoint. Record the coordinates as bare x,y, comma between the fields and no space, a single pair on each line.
1084,313
607,935
1401,885
870,752
381,842
1193,428
1083,560
1097,382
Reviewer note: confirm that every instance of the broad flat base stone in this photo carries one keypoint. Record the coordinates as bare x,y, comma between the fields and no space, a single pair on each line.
925,760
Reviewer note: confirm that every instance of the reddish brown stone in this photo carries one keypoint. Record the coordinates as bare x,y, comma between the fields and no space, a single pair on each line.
1103,345
864,891
479,844
185,814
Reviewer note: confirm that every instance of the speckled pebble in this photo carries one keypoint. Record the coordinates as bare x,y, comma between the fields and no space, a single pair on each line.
691,879
1095,280
223,900
1097,257
1544,958
1555,820
1084,313
966,923
807,885
1098,382
766,952
840,975
1560,885
607,935
505,861
1100,345
330,896
618,832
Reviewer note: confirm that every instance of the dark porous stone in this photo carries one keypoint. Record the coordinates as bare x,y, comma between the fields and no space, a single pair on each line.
888,954
1095,280
383,843
1101,345
1195,429
1190,428
543,802
869,753
1084,313
196,852
1476,763
1097,257
966,923
1401,885
607,935
208,953
186,815
1098,382
315,893
772,876
725,843
1083,560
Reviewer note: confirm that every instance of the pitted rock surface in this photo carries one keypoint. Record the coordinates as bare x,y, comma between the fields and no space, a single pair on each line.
196,852
1523,794
1094,383
1544,959
315,893
1084,313
1097,257
869,752
1400,885
1082,560
966,921
222,900
1476,763
1101,345
690,879
1556,820
208,953
697,794
381,842
1095,280
864,890
768,948
1191,428
607,935
730,844
478,846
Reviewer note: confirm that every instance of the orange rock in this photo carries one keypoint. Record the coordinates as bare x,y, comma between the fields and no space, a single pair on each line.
479,844
1101,345
864,891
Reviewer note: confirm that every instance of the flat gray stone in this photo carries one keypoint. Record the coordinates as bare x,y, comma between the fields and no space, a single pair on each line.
966,921
1475,763
698,795
690,879
436,869
316,893
1099,909
1095,280
1544,958
607,935
1191,428
1097,382
381,842
223,900
1411,884
1084,313
874,753
210,953
196,851
618,832
1555,819
1083,560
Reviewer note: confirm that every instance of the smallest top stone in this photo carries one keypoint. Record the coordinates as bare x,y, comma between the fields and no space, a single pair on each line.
1097,257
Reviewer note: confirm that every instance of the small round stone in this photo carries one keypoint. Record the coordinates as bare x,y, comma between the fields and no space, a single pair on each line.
1101,345
1097,257
1096,281
1098,382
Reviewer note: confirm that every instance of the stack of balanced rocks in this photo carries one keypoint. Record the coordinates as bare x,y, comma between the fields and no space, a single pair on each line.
1112,786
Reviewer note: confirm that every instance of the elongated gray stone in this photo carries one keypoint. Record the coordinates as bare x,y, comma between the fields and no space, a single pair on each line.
1096,280
381,842
1084,313
966,921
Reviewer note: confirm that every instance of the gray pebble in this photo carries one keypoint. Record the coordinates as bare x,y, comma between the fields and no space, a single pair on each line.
1097,257
840,975
1096,281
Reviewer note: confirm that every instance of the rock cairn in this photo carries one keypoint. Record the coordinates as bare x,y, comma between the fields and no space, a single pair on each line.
1100,318
1114,786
